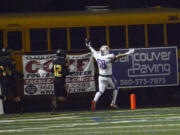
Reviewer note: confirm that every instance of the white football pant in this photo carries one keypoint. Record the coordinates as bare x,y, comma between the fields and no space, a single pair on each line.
104,82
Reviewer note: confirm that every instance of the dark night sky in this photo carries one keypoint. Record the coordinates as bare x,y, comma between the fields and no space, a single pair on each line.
10,6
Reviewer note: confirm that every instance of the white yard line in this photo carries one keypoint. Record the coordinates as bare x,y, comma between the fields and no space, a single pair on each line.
102,128
78,121
119,131
131,119
77,126
118,127
38,119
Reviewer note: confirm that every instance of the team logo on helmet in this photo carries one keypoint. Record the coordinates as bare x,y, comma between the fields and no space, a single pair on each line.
104,50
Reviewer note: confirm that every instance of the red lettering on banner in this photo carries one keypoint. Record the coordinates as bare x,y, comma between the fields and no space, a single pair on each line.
34,66
80,63
46,65
29,66
79,79
38,81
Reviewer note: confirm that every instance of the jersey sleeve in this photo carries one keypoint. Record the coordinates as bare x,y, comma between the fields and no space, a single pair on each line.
110,57
94,52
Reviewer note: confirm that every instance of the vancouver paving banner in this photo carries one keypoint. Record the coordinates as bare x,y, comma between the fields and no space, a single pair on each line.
147,67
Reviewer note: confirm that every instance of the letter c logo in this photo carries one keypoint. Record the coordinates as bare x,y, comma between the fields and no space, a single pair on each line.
32,66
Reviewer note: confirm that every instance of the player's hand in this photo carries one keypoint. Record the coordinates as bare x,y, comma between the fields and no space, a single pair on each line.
87,43
131,51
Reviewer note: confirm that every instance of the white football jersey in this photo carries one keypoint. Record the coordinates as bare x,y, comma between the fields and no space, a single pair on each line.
104,62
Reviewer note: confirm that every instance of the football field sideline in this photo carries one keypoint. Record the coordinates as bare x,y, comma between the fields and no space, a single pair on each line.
159,121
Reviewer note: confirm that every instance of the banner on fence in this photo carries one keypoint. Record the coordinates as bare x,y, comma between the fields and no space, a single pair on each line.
38,80
82,80
147,67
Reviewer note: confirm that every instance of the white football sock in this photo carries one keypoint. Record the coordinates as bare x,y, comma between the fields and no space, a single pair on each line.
97,96
114,97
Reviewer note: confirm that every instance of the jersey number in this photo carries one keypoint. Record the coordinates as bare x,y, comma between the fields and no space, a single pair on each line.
57,70
101,63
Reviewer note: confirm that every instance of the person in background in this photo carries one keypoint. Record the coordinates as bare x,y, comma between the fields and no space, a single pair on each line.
104,60
8,75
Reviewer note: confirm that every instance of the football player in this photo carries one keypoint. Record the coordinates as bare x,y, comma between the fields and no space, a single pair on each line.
104,60
8,75
59,68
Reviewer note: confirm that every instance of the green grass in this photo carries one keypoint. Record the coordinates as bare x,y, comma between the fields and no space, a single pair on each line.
153,121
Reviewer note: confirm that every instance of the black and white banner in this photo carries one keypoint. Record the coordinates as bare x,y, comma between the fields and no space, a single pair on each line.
38,80
147,67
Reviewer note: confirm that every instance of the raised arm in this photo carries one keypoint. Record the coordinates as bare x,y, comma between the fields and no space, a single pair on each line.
88,44
124,54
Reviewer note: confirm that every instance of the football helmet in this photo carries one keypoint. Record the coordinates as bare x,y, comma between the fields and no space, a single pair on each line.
60,53
104,50
5,52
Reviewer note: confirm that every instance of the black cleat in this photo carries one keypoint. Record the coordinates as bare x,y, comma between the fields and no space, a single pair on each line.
53,112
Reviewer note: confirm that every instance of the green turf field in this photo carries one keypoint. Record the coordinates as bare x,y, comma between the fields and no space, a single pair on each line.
153,121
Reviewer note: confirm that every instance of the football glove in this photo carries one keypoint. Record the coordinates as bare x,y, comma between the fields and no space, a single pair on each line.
130,51
87,43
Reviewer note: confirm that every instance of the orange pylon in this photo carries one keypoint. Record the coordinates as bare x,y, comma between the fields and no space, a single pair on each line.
133,101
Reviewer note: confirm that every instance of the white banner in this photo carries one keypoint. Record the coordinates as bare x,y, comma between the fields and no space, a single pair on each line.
38,80
82,80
